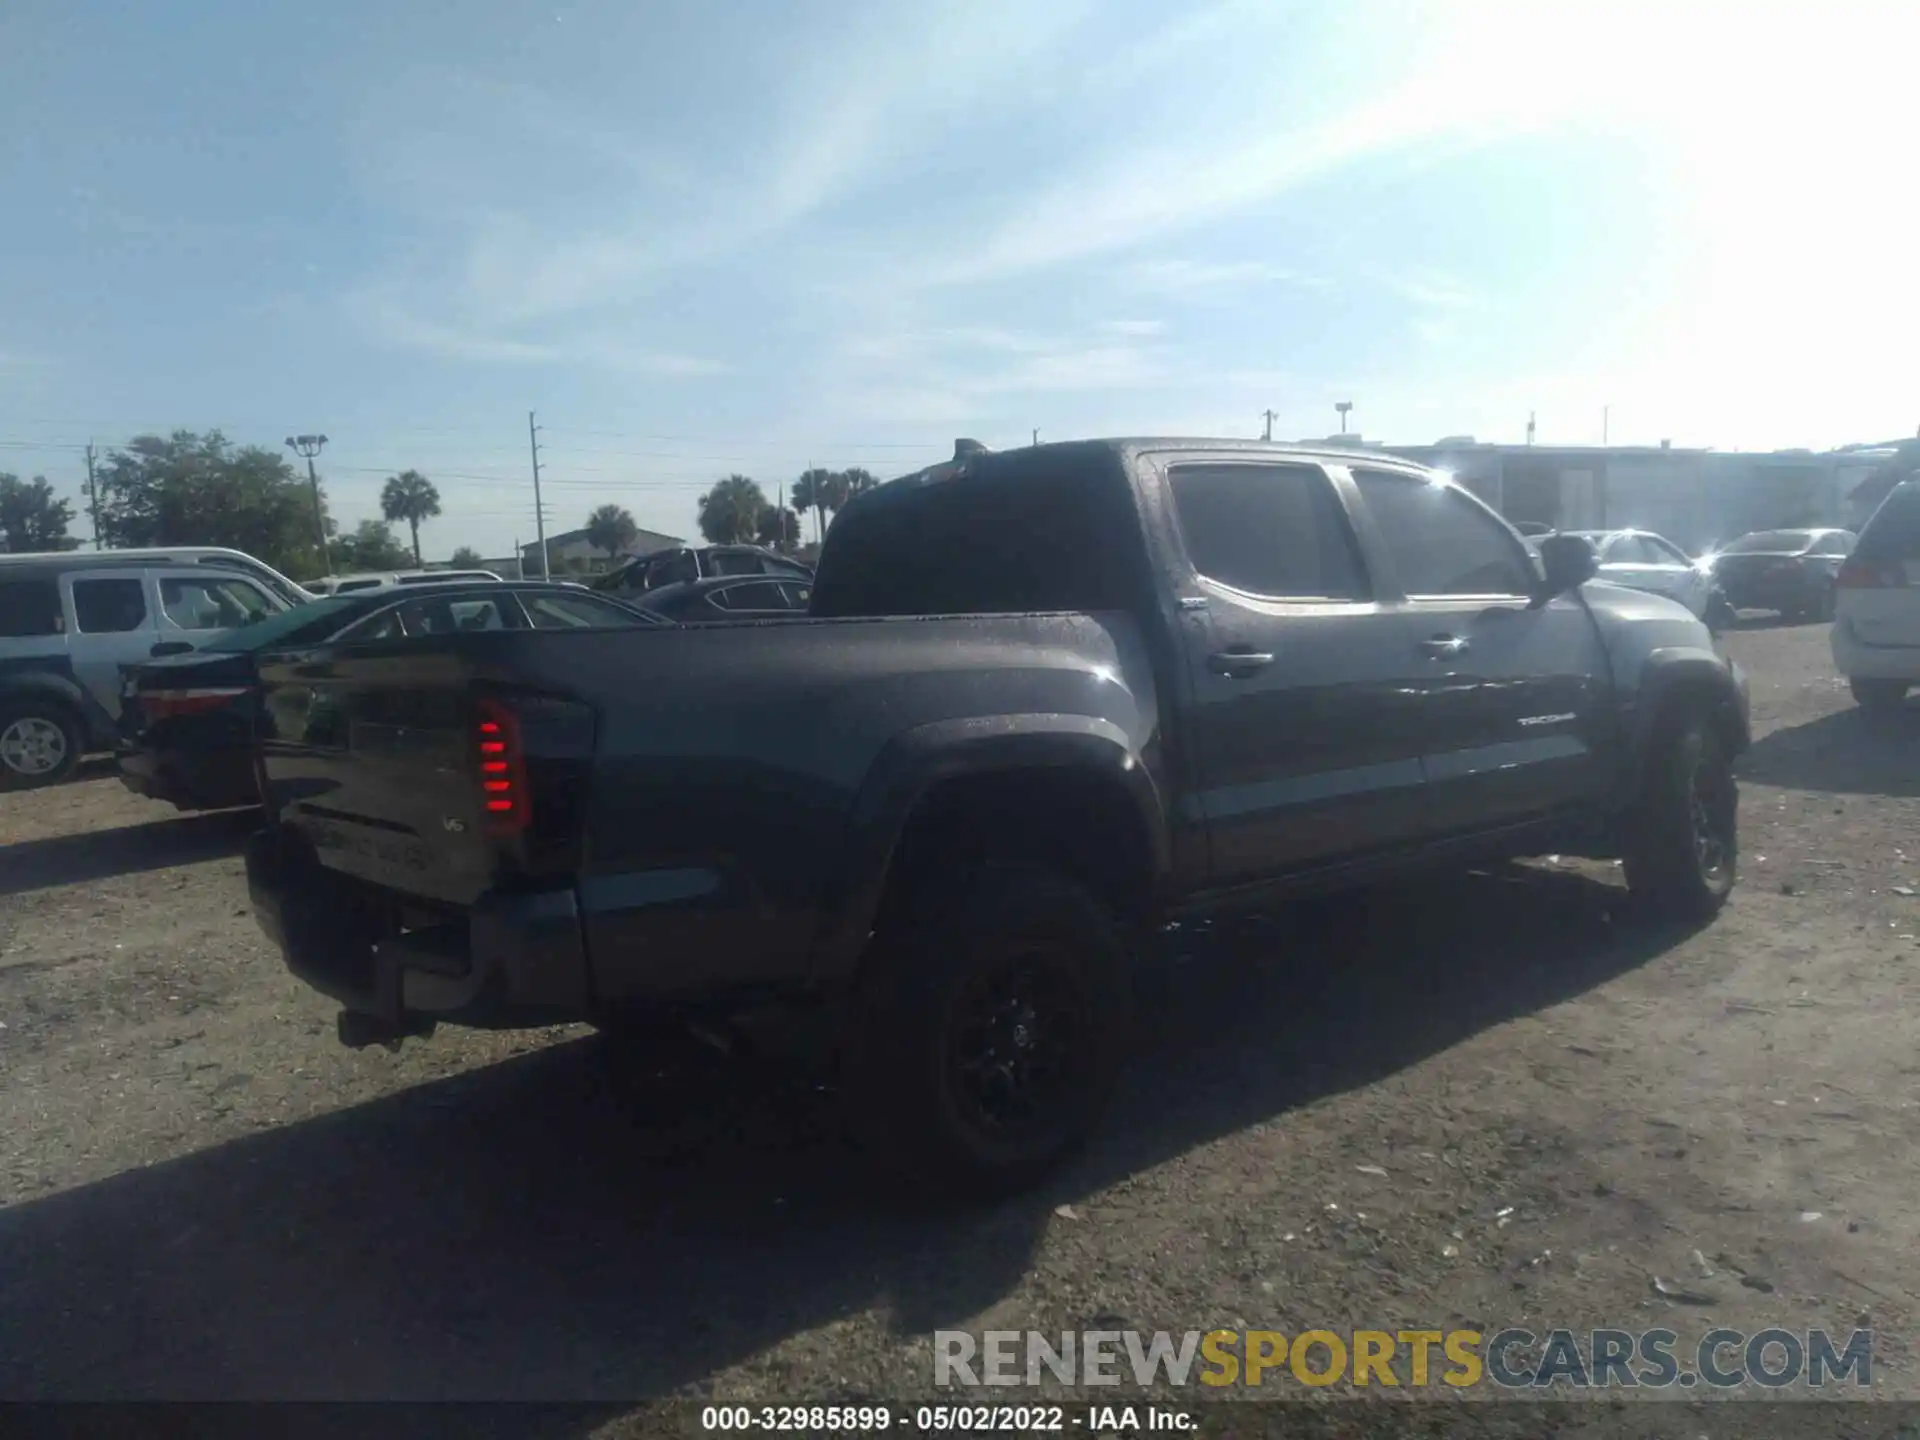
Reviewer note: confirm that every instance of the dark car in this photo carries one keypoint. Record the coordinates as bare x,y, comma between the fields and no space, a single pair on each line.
678,567
730,597
187,719
1789,571
1044,702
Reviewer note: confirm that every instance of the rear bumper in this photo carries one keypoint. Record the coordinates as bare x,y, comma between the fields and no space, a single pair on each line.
1857,660
509,961
190,780
1768,593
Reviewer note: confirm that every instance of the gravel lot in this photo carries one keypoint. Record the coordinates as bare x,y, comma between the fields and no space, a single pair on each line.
206,1196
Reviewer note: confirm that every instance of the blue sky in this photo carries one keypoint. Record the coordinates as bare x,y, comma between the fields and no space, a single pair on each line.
703,237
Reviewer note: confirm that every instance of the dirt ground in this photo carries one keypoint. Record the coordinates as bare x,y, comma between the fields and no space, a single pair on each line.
206,1196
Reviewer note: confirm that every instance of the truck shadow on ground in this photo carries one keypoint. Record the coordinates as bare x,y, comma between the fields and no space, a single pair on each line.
1848,752
95,855
540,1230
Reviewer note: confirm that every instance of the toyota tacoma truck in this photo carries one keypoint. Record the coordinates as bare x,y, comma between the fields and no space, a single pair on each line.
1043,702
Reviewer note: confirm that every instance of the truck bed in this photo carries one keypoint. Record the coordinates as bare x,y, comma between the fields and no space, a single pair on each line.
690,787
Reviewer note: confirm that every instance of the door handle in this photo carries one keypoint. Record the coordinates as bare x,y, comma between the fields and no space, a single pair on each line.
1236,664
1442,647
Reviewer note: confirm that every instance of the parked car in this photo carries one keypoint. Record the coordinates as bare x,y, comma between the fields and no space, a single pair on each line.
1789,571
1641,560
1045,700
384,579
187,720
68,626
1876,622
263,574
729,597
677,567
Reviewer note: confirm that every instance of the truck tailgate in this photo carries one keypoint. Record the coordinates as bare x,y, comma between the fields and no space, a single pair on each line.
371,756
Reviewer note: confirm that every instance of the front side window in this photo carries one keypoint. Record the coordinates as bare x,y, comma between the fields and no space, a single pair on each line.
1270,530
211,603
109,606
1442,542
574,612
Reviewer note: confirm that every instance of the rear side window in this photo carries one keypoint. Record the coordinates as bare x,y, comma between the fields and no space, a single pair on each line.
736,564
1442,542
1894,531
1270,530
757,596
447,617
29,608
1017,535
109,607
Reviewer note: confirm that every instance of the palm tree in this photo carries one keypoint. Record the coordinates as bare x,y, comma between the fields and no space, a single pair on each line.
611,528
730,511
779,528
819,491
858,482
411,497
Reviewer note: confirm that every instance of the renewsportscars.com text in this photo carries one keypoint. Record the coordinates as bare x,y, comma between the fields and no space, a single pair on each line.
1511,1359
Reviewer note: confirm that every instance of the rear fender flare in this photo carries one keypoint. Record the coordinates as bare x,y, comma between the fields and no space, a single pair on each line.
915,761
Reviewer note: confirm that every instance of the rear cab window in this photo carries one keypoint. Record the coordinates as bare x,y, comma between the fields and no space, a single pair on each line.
1012,534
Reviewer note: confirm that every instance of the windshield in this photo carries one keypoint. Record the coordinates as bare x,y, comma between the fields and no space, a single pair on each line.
315,620
1771,542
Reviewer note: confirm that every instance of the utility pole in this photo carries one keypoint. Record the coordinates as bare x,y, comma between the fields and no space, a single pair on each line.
1603,423
1268,416
93,498
539,511
310,446
780,519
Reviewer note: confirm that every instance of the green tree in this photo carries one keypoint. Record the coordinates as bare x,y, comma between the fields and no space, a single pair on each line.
190,489
371,546
857,482
465,558
778,527
819,491
410,497
31,518
611,528
730,511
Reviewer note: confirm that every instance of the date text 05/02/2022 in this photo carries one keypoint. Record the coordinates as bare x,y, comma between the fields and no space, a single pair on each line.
964,1419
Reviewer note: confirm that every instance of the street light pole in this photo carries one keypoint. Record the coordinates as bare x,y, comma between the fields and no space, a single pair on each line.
310,446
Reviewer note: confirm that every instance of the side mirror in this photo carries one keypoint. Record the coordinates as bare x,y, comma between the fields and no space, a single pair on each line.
1569,562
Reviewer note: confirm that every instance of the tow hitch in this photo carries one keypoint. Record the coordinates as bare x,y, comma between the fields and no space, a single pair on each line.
358,1030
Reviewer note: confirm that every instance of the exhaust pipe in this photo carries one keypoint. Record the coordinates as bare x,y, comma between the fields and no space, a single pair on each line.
357,1030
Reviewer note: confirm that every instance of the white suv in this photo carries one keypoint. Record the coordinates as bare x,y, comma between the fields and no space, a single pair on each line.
1876,622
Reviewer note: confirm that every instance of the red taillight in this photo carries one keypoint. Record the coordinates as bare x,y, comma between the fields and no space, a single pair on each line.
501,766
165,704
1858,574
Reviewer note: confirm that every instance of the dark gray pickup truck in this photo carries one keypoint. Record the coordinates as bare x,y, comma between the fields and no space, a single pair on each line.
1045,700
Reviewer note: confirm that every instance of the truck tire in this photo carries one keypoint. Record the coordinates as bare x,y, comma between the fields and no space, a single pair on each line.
40,743
1682,851
1880,696
989,1034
